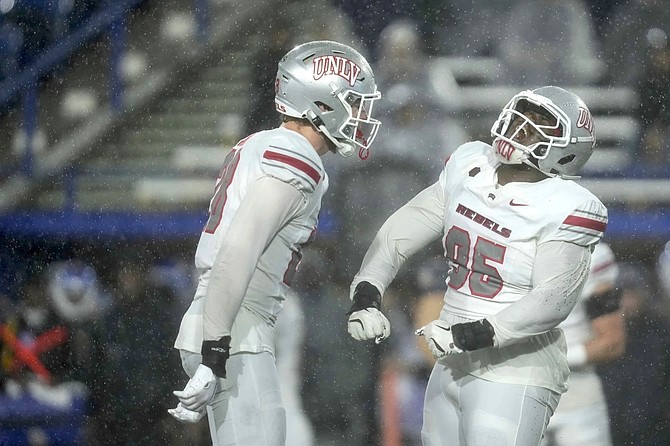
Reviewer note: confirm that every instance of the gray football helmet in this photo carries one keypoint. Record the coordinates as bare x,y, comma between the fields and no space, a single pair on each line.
567,142
332,86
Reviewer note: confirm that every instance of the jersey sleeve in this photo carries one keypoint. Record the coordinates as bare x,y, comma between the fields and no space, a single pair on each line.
297,164
584,225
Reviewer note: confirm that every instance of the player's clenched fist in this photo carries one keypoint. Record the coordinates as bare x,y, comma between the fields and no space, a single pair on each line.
444,339
365,319
439,338
369,323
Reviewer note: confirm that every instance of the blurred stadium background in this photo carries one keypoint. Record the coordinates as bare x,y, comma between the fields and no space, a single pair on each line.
116,114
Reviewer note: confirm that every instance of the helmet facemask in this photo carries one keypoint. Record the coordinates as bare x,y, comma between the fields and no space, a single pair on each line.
549,129
564,132
359,129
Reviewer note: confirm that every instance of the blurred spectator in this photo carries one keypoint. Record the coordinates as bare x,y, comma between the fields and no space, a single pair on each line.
290,335
654,148
625,39
432,282
417,130
401,56
367,195
471,28
53,353
655,83
406,367
637,386
595,334
11,42
142,367
654,93
550,42
601,13
341,375
262,114
370,17
402,384
416,126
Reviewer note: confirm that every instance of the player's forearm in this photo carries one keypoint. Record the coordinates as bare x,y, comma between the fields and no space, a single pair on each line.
227,286
267,206
404,233
560,271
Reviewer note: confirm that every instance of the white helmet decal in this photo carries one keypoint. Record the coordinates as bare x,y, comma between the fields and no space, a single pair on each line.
340,66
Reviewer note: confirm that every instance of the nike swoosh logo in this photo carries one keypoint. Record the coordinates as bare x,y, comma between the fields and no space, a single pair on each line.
513,203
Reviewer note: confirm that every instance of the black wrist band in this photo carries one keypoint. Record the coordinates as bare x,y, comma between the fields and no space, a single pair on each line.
473,335
366,295
215,354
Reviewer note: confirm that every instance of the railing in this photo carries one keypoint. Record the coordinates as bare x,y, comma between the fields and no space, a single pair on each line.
111,20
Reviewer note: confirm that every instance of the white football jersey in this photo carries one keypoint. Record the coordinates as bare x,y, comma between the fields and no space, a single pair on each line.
289,157
603,271
491,236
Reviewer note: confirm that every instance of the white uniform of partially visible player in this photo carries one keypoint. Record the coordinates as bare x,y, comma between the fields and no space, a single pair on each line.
594,332
265,208
290,331
518,239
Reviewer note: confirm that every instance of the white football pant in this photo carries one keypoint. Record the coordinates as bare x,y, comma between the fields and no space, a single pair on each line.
247,408
468,411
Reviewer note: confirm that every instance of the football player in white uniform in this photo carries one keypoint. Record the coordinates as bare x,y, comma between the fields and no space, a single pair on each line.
518,235
595,334
265,208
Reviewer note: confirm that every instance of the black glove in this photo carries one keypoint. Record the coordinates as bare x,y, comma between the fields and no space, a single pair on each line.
471,336
215,354
366,295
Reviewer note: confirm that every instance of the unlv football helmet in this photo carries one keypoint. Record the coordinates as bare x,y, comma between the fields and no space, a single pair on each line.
332,86
566,142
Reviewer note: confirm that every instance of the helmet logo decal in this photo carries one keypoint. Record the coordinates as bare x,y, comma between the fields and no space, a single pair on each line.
504,148
585,120
340,66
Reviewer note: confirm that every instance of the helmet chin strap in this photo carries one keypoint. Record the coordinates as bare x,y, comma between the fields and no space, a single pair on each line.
344,148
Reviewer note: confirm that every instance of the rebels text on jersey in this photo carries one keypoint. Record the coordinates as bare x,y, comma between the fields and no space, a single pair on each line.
492,232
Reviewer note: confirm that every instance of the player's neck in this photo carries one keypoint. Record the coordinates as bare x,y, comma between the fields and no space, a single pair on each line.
316,139
518,173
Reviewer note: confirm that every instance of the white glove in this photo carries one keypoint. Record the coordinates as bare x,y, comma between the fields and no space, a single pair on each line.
184,415
439,338
367,324
199,390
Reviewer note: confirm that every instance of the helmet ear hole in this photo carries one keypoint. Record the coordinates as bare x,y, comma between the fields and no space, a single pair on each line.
323,106
566,159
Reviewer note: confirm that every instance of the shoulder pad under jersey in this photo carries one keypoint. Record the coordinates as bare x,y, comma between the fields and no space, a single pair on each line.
288,157
585,224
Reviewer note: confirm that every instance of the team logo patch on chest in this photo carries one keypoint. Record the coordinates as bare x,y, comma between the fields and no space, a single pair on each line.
483,220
